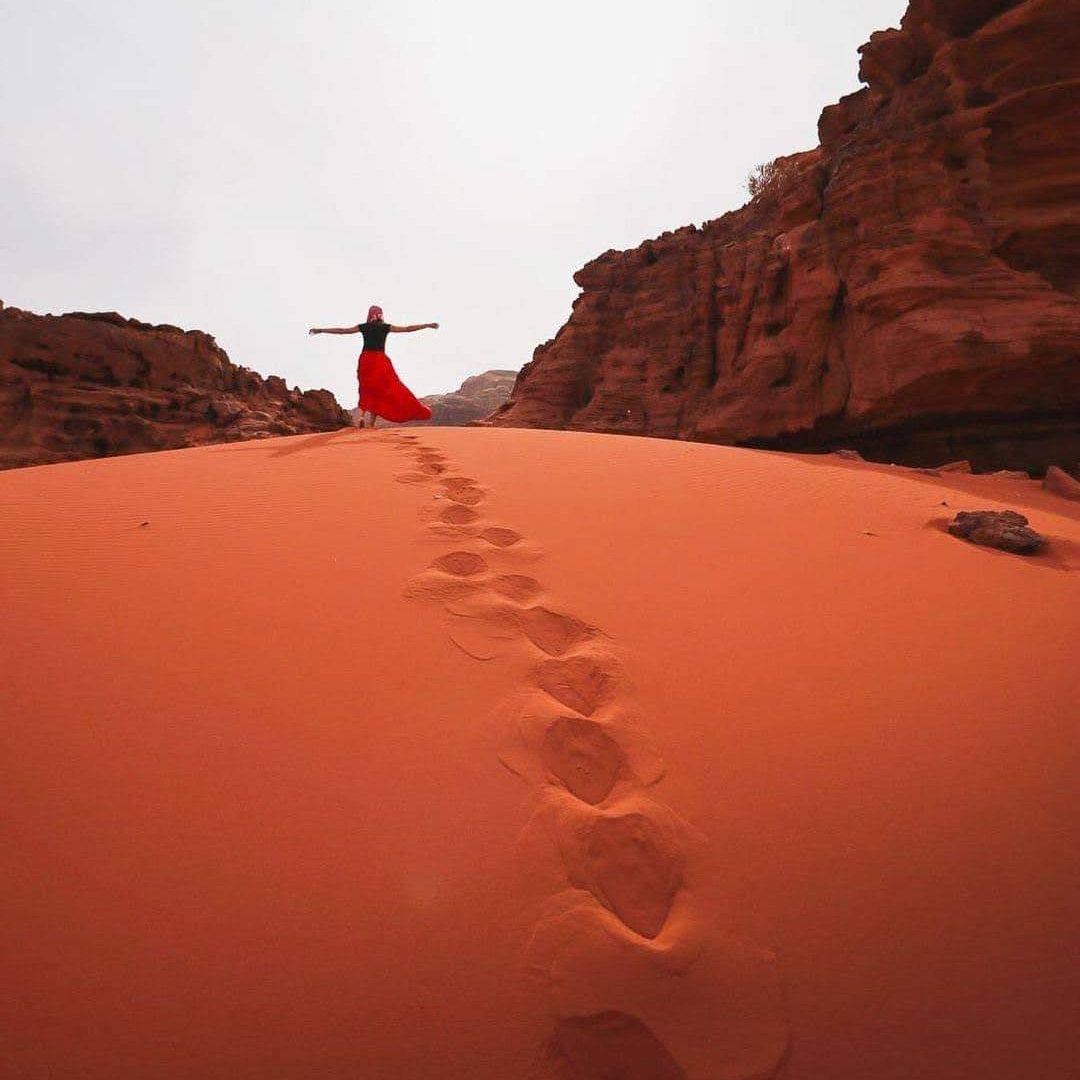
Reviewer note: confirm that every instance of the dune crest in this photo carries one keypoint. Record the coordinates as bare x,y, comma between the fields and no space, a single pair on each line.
731,764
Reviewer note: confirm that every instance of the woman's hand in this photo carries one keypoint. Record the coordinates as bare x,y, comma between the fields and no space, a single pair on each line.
314,331
433,325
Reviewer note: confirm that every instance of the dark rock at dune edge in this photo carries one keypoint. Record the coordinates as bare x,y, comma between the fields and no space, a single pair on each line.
93,385
910,289
1003,529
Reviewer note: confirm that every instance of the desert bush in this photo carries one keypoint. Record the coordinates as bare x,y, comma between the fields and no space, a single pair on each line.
771,178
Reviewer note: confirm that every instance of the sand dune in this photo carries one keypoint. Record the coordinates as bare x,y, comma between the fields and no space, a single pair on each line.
500,753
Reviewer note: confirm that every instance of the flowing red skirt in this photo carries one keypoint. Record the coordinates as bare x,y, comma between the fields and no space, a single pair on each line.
383,393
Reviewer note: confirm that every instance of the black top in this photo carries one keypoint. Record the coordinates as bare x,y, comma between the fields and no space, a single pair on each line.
374,335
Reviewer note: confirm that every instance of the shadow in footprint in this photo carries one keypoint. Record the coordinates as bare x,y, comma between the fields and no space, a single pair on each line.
553,632
465,496
583,757
499,537
462,489
635,870
578,682
460,564
610,1046
458,515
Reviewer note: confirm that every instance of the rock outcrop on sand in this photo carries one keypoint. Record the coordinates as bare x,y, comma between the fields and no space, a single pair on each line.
91,385
1003,529
910,288
1061,483
477,397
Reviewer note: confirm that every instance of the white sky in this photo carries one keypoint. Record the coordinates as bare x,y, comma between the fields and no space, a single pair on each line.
255,168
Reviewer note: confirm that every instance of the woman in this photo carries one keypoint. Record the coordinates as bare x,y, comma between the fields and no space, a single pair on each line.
382,393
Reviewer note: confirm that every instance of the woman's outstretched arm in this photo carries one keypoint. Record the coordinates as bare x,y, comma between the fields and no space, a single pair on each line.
410,329
335,330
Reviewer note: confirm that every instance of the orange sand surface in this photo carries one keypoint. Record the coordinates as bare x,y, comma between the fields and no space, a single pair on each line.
519,754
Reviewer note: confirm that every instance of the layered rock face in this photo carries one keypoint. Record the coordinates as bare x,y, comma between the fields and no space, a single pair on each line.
911,288
478,396
77,386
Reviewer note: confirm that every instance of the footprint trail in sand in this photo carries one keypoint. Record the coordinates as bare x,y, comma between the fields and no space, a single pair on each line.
640,981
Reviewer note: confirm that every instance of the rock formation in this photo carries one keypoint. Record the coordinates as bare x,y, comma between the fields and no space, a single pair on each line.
1059,482
79,385
477,397
910,288
1003,529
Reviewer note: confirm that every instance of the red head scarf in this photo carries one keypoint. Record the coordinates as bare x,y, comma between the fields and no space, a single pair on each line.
374,313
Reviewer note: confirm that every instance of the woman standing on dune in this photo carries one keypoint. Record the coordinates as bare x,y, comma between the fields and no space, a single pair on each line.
382,393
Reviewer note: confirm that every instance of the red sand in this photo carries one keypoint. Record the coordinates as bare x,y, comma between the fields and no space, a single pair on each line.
607,753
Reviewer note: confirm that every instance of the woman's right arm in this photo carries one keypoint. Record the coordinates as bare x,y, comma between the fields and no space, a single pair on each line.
336,330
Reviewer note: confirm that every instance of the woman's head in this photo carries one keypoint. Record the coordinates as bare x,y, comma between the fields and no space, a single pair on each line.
374,313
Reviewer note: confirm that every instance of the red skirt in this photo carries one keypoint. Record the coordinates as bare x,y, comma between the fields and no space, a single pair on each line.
383,393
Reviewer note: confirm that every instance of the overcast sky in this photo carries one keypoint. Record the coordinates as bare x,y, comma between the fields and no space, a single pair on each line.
255,168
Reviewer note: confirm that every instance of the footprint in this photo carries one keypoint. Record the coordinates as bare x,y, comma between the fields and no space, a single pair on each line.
716,1000
466,496
578,682
552,632
460,563
462,489
500,537
610,1046
635,870
518,587
583,756
458,515
432,468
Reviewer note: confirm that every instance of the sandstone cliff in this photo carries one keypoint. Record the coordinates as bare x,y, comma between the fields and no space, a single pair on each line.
78,385
911,289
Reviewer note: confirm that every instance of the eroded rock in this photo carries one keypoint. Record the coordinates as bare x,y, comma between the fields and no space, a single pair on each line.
912,291
1003,529
96,384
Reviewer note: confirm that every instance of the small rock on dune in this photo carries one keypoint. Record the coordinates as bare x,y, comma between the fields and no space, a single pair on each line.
1061,483
1003,529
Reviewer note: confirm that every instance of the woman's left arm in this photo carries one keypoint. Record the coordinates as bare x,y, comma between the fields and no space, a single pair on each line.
335,330
410,329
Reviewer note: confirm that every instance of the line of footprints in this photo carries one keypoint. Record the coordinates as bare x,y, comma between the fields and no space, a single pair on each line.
640,986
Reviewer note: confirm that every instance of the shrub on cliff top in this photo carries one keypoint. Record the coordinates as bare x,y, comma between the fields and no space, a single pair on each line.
772,178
